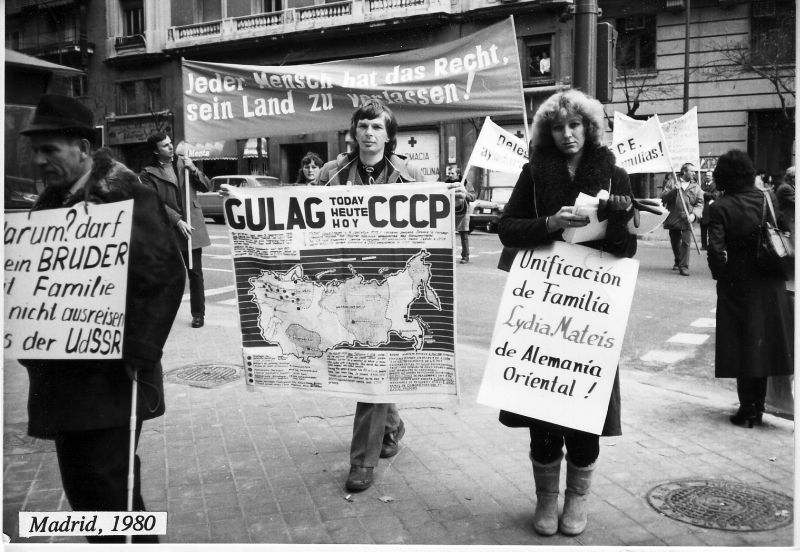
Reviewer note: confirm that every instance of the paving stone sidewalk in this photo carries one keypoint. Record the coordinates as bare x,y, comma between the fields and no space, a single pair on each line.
238,466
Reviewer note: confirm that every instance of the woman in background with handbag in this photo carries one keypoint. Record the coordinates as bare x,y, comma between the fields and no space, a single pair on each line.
755,321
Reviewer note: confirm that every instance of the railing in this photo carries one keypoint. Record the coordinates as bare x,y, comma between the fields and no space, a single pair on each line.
129,42
259,21
210,28
326,11
377,5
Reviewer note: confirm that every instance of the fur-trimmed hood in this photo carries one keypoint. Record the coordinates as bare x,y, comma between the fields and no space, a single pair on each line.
109,181
549,167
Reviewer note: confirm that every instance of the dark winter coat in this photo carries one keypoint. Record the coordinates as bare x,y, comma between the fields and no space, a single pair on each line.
81,395
544,186
174,197
755,316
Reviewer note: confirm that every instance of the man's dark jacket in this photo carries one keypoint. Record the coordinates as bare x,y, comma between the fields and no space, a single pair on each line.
81,395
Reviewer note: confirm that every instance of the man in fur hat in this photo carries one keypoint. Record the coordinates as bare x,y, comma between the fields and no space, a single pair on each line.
85,405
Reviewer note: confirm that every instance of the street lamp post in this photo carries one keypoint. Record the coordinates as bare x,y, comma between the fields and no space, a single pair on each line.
585,58
687,36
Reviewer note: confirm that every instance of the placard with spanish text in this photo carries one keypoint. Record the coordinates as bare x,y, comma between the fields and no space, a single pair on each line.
65,282
346,290
558,335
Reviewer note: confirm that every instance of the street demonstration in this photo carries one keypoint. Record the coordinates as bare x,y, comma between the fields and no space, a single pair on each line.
379,273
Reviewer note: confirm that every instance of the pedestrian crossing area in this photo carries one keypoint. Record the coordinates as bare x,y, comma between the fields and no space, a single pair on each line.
682,345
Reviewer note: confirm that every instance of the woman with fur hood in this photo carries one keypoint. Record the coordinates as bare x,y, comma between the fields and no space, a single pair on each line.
567,158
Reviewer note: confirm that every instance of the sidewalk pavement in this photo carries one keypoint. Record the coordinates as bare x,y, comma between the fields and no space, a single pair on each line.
237,466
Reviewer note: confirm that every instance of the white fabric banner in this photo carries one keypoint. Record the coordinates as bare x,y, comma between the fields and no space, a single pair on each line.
680,136
497,149
558,335
643,151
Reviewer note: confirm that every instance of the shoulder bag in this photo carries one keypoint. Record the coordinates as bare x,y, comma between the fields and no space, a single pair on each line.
775,251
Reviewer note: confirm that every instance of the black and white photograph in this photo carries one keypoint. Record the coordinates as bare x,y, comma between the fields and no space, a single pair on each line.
561,316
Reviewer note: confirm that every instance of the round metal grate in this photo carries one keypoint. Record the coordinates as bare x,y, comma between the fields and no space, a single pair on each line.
205,375
719,504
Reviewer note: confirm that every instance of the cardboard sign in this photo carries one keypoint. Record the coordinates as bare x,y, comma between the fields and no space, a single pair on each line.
66,278
558,335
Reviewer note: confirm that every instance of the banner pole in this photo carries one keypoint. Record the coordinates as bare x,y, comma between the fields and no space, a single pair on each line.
522,92
678,191
132,449
188,213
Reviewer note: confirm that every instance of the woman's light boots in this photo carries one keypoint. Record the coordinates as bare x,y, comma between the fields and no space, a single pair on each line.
546,477
579,481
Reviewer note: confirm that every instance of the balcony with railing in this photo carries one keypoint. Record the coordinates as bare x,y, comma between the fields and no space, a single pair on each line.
325,16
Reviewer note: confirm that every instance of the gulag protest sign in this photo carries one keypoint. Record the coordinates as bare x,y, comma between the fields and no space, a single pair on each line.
640,149
497,149
474,76
346,290
66,277
558,335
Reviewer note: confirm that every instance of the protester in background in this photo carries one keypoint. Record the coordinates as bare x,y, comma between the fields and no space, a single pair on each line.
761,180
85,405
755,321
785,195
568,157
709,196
684,200
310,165
166,175
462,216
377,427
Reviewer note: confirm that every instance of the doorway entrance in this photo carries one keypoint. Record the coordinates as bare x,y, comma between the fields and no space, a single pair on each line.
770,138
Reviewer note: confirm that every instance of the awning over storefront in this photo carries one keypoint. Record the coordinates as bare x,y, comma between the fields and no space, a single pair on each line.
226,149
23,61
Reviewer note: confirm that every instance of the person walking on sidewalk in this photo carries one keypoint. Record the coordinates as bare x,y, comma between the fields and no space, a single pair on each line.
377,427
684,199
462,215
568,157
166,175
755,316
85,405
710,194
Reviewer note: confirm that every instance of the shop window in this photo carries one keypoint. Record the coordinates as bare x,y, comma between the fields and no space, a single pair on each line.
772,36
636,43
538,60
126,98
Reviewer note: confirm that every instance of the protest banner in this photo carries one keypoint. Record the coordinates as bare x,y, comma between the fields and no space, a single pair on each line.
346,290
643,151
66,276
497,149
680,136
469,77
558,335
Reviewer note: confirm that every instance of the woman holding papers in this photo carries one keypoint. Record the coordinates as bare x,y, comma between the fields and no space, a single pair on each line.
755,320
567,158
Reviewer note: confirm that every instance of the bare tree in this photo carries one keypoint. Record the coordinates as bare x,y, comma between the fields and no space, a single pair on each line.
770,56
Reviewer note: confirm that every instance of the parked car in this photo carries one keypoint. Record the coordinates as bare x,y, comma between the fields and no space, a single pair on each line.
488,207
20,193
211,201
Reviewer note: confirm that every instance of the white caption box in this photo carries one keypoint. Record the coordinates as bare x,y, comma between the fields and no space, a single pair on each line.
43,524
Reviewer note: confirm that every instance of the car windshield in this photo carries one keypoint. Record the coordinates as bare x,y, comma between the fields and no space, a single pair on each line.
501,195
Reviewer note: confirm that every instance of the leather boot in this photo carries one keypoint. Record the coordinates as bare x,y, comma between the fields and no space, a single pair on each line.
546,477
579,481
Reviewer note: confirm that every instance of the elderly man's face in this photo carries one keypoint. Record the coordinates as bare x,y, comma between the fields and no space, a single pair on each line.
62,160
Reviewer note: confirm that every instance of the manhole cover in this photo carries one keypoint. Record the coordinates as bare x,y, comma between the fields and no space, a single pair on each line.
718,504
205,375
17,441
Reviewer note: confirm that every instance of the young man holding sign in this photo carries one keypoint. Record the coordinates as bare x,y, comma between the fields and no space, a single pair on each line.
377,427
85,405
567,158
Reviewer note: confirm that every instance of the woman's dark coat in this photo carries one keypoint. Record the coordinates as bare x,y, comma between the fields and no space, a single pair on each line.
543,187
81,395
755,316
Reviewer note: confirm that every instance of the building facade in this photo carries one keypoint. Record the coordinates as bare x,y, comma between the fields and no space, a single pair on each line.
131,51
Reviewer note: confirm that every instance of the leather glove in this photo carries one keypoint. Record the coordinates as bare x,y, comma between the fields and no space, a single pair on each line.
613,203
